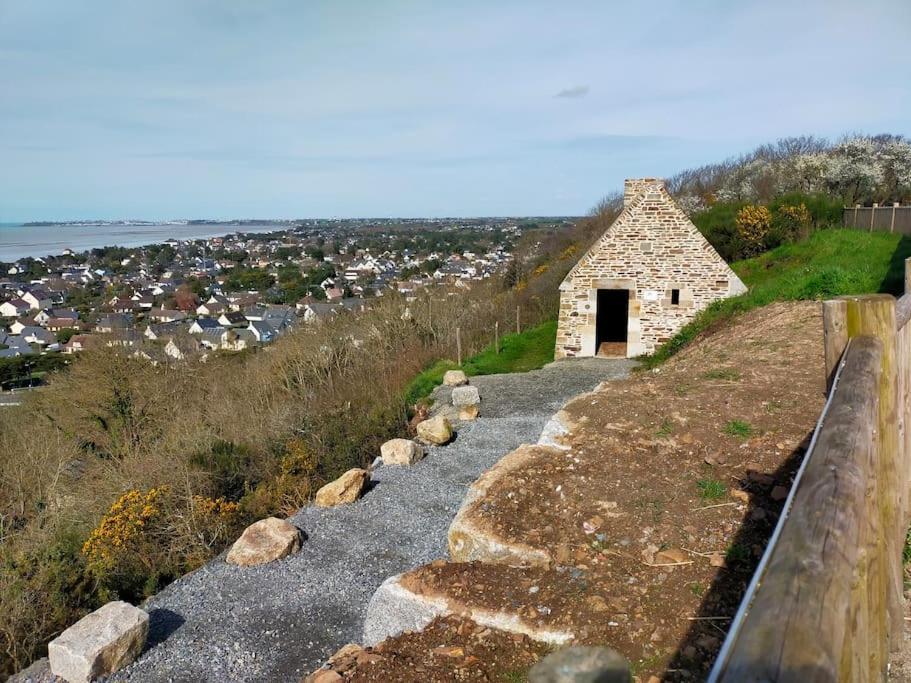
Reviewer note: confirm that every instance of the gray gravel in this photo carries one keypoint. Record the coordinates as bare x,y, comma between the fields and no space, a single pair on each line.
280,621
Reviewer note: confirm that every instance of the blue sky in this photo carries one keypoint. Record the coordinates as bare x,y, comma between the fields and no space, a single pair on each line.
291,108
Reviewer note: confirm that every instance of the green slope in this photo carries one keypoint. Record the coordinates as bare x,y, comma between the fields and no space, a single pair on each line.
830,263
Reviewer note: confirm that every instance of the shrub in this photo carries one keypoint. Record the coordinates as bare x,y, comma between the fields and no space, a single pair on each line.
753,225
147,536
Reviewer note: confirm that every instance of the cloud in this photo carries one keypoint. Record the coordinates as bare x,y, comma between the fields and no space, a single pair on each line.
573,93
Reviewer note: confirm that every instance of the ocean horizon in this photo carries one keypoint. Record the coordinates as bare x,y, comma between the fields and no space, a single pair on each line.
19,240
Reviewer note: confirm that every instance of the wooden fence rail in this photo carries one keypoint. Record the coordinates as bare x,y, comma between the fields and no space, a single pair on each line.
825,603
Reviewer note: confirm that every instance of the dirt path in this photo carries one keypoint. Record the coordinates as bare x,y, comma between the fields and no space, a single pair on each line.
280,621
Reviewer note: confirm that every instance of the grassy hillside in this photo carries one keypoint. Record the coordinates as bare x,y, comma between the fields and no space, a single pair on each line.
830,263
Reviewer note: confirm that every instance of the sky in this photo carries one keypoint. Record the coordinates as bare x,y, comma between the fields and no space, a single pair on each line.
292,109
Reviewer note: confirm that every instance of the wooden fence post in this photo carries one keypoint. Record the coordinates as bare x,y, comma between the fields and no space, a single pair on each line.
835,335
874,315
519,324
459,345
873,215
496,336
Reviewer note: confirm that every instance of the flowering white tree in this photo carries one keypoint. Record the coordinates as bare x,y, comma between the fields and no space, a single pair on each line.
858,169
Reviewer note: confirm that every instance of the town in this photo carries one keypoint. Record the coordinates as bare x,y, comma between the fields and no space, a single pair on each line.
189,298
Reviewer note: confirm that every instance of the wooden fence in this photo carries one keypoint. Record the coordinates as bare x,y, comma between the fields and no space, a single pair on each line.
888,218
825,603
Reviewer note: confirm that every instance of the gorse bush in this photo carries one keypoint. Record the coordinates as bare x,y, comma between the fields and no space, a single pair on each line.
740,230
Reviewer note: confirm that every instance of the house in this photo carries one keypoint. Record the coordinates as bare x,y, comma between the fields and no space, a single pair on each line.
232,319
211,308
262,331
157,331
643,279
180,347
113,322
65,313
14,308
36,297
319,310
163,315
15,347
202,325
19,325
57,324
237,340
79,342
37,335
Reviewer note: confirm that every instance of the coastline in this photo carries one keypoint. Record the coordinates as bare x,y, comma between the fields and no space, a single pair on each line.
38,240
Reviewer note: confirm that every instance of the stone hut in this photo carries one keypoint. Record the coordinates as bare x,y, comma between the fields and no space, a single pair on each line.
645,278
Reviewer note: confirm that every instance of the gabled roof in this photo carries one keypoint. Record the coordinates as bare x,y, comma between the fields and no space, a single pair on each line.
637,193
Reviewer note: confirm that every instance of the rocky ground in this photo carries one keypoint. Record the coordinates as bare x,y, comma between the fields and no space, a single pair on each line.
642,533
279,621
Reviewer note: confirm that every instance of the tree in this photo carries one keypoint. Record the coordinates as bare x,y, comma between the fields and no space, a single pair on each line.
185,298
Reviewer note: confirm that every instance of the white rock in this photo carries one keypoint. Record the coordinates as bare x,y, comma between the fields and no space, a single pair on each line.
264,541
465,396
401,452
455,378
100,643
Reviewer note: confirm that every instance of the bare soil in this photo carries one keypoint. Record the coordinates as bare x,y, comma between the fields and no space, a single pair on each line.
656,518
448,649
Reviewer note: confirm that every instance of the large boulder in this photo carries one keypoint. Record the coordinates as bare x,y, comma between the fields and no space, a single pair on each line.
346,489
466,396
264,541
401,452
436,430
455,378
100,643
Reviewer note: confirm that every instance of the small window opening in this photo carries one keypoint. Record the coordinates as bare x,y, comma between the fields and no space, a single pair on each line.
675,297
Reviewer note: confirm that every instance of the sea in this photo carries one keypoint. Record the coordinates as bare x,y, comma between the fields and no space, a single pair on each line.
18,240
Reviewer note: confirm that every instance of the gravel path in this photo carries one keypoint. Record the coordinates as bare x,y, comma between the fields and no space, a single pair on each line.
280,621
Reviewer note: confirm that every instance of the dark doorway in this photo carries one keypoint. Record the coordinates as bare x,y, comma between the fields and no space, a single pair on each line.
611,322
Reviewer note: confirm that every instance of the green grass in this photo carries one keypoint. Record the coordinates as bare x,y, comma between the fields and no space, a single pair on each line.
739,428
830,263
529,350
711,489
737,553
665,430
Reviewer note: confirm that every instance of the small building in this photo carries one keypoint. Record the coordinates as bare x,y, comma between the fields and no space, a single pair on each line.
643,279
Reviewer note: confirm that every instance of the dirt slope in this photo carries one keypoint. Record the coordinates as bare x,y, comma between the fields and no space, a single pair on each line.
655,517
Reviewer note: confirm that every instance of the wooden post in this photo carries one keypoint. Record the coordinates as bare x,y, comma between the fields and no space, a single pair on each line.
873,215
496,336
835,335
874,315
459,346
856,207
907,275
518,322
892,224
792,633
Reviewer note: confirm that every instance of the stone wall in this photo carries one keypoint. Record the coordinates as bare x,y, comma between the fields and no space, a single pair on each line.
651,249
